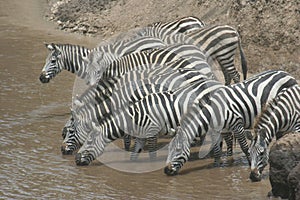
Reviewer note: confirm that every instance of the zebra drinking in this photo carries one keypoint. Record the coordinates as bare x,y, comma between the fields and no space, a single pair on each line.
125,91
173,57
232,108
280,116
155,114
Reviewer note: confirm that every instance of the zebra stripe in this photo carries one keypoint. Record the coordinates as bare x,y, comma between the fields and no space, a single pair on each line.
162,30
73,57
123,92
219,43
195,60
155,114
142,60
232,108
70,57
280,116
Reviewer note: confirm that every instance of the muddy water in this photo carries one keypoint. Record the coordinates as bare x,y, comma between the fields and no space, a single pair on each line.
32,116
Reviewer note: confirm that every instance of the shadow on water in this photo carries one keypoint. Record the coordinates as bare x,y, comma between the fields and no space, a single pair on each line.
32,116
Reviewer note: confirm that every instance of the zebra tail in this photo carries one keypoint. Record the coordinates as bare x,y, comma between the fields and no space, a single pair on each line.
243,61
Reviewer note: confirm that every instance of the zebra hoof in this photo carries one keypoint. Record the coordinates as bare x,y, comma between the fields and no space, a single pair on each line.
170,171
81,161
255,177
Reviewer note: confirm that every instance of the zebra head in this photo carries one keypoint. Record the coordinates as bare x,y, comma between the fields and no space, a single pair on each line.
179,150
52,66
91,147
259,155
70,132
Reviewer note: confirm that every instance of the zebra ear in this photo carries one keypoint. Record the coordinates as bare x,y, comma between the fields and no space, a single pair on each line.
56,48
50,47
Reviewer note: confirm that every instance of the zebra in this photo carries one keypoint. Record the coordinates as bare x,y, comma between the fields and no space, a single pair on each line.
142,60
280,116
173,57
129,88
154,114
219,43
232,108
70,57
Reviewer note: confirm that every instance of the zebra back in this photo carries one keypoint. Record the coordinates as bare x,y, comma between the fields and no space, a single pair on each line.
162,30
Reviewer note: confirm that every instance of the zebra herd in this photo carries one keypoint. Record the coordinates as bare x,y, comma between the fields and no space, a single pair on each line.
165,79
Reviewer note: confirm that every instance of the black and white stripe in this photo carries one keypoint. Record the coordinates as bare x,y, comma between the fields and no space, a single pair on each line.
146,59
163,30
130,88
280,116
70,57
155,114
232,108
162,61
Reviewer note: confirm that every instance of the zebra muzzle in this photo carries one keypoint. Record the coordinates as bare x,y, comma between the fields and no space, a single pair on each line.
171,170
65,150
44,78
81,160
255,176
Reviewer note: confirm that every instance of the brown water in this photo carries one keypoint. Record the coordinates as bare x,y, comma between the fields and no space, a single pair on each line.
32,116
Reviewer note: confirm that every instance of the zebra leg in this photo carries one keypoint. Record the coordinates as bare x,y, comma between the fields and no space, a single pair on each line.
217,154
240,135
227,77
152,143
127,141
138,147
228,137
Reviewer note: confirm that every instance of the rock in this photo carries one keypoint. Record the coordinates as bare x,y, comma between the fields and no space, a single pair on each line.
284,156
294,183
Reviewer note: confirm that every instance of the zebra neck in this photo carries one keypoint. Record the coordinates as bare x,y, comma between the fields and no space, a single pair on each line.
74,59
